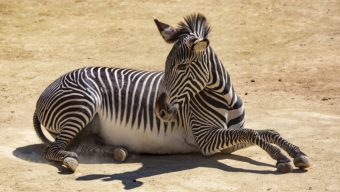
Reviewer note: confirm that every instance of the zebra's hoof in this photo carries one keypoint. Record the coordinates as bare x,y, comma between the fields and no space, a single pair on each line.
120,154
284,167
302,162
71,163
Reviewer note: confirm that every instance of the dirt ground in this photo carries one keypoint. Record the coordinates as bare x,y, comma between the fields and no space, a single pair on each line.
283,56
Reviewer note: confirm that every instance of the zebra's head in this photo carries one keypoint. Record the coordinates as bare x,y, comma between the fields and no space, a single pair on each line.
186,67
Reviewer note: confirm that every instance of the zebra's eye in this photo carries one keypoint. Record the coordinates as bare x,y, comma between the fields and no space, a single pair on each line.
182,67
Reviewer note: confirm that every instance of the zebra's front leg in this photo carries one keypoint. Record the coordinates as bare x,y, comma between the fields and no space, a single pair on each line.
57,151
212,140
300,159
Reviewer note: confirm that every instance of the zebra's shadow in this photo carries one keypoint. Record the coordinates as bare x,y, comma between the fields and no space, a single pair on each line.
152,165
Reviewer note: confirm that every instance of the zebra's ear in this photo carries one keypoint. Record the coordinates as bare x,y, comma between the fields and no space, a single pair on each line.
200,45
168,32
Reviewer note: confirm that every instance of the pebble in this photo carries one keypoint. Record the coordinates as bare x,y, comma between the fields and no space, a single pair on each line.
326,98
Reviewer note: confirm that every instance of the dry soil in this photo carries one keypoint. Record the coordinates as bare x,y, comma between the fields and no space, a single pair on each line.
283,57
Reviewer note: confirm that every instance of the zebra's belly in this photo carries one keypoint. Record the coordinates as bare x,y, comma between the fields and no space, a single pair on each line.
147,141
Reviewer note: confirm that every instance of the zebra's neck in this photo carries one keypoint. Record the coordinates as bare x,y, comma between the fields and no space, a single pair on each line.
219,81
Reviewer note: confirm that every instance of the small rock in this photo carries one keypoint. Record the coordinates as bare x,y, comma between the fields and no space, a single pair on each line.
280,80
252,80
12,111
310,188
326,98
245,93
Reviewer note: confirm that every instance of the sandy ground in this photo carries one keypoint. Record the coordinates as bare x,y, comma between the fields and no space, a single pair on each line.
283,56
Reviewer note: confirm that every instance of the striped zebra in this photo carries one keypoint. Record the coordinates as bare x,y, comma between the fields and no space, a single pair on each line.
190,107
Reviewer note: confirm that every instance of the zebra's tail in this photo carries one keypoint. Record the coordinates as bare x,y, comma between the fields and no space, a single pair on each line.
38,130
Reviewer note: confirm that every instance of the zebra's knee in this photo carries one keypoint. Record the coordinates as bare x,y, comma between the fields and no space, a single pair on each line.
268,132
250,135
269,135
273,132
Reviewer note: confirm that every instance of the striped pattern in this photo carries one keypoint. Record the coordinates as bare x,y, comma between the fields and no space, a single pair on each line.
209,115
120,95
196,82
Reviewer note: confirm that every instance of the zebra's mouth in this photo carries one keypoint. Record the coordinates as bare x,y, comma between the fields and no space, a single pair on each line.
164,110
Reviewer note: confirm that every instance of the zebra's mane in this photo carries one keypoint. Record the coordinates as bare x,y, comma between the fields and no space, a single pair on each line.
195,23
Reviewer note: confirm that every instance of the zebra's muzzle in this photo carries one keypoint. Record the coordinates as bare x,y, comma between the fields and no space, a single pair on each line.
164,110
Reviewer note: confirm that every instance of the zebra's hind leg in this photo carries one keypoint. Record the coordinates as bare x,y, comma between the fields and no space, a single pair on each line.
300,159
89,142
119,153
57,151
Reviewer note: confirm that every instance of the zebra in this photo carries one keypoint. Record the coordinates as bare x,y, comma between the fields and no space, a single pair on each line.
190,107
